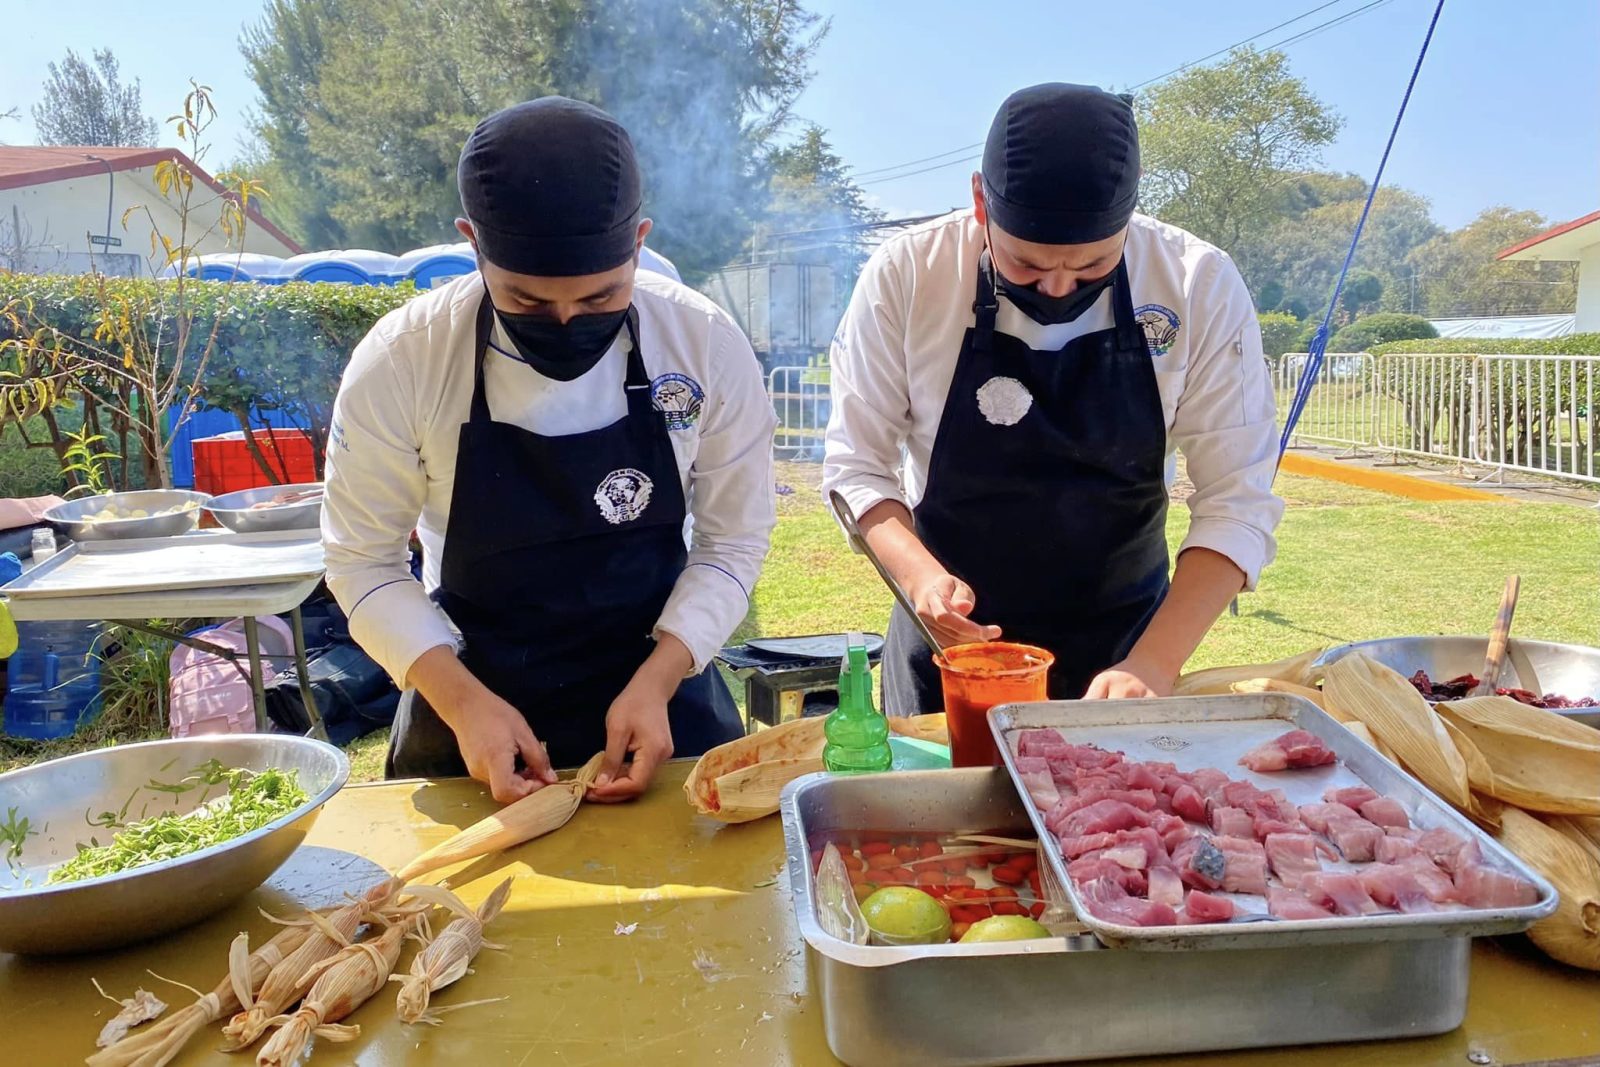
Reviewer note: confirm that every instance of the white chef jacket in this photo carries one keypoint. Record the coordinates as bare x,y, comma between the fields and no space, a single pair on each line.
408,390
895,352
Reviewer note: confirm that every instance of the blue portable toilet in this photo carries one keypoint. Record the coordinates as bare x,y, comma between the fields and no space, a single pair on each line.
232,266
435,265
357,266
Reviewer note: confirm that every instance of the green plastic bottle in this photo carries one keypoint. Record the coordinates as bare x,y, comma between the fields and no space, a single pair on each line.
858,736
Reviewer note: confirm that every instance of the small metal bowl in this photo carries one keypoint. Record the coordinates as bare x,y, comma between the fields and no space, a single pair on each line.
1540,666
143,902
237,511
72,518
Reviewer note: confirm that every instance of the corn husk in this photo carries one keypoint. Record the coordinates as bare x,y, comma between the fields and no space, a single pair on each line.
344,981
535,815
1587,825
1215,681
931,728
1572,934
287,982
1360,730
1568,827
139,1008
1398,716
160,1042
1482,807
445,958
1277,685
795,743
1539,760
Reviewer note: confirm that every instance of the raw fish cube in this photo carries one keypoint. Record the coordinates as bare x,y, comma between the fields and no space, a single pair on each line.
1316,816
1385,811
1395,849
1043,742
1449,849
1481,886
1293,856
1232,822
1188,803
1246,865
1141,776
1289,904
1165,887
1395,887
1202,907
1073,847
1351,796
1342,892
1355,838
1101,816
1295,749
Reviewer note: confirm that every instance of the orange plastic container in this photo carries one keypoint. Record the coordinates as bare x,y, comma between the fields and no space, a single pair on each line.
223,464
979,676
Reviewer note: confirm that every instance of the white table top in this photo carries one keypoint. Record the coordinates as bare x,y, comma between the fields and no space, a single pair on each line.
219,602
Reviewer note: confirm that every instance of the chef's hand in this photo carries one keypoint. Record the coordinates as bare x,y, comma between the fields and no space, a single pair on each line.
490,733
1130,680
944,601
637,724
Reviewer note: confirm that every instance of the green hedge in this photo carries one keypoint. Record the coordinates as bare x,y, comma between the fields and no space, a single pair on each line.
1577,344
1369,331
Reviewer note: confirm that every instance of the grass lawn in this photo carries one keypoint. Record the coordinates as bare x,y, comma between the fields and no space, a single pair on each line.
1352,564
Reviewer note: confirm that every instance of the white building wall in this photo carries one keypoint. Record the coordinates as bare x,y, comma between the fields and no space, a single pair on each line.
1588,318
45,228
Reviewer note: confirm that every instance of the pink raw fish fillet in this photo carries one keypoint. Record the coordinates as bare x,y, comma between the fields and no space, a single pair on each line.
1481,886
1294,750
1247,865
1101,816
1202,907
1395,887
1342,892
1289,904
1385,812
1032,765
1142,776
1316,816
1449,849
1232,822
1355,838
1434,882
1263,825
1208,782
1090,756
1042,791
1293,856
1350,796
1188,803
1073,847
1200,863
1411,836
1108,901
1166,887
1041,743
1394,849
1147,841
1095,867
1133,857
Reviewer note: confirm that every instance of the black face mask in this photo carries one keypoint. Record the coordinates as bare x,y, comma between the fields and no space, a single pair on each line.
1051,310
563,351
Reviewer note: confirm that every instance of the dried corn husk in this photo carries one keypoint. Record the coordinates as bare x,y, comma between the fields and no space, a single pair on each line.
287,982
139,1008
1361,730
343,982
1277,685
1587,825
158,1043
1572,934
445,958
1482,806
1398,716
1568,827
1539,760
534,815
1218,680
794,743
931,728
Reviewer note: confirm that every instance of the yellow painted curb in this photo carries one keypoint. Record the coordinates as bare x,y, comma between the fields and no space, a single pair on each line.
1383,481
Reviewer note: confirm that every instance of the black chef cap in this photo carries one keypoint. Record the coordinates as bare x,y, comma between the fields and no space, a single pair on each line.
552,189
1061,166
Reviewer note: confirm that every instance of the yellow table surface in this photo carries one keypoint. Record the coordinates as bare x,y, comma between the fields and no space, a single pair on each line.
697,960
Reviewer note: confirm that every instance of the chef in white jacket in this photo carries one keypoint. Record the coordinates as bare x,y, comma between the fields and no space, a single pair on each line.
1009,384
546,425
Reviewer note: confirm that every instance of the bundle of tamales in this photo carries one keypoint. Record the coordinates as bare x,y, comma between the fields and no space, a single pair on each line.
1530,775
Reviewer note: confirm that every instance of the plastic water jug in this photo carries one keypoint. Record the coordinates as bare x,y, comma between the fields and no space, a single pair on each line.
53,679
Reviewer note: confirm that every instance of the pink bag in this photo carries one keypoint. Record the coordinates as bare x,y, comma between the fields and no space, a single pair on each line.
208,694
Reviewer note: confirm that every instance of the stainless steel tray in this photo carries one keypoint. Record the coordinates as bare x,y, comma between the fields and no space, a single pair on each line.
1214,731
1065,1000
194,561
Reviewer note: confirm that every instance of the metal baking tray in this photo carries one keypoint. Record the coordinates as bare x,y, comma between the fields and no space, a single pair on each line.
1065,999
193,561
1214,731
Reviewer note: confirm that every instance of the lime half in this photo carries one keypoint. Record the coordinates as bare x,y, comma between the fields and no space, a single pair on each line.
1004,928
900,915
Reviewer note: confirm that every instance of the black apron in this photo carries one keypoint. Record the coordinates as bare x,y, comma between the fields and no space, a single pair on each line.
559,556
1047,495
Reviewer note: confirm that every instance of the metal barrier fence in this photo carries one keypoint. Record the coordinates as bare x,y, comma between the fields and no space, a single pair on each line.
802,400
1505,413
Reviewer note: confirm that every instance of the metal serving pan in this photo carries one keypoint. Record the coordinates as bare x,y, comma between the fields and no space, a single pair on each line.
1068,999
1214,731
194,561
1541,666
238,512
72,517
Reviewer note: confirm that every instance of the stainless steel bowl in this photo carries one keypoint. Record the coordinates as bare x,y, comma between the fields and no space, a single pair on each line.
1539,666
101,913
71,518
237,511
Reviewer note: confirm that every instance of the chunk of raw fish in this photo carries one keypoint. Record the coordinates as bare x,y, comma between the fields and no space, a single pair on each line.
1385,812
1292,751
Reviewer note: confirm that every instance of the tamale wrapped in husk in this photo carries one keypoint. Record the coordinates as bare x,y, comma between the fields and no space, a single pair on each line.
794,748
1360,730
931,728
1398,716
1587,825
1217,680
1277,685
447,957
1539,760
1569,827
546,809
1572,934
1482,807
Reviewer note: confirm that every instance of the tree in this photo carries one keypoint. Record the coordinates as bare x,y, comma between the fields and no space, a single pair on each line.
815,210
1362,334
1279,332
89,105
1220,144
1457,273
366,103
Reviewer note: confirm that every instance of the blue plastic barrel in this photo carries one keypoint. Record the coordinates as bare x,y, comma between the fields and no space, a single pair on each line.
53,679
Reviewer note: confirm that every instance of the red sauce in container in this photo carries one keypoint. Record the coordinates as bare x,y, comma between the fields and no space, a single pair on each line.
979,676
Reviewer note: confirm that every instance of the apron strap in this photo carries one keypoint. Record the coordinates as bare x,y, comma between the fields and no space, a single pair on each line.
637,385
985,305
1129,334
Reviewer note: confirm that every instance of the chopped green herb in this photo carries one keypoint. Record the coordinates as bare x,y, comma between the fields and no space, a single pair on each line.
252,801
13,833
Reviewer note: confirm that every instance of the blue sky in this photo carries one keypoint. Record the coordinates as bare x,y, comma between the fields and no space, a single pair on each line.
1507,109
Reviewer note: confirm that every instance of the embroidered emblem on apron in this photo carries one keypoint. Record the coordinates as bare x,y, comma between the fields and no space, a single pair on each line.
1004,401
623,495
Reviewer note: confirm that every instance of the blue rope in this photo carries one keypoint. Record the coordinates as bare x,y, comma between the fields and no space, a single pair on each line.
1319,341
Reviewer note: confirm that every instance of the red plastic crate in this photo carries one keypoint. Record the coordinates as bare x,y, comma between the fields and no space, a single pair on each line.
223,464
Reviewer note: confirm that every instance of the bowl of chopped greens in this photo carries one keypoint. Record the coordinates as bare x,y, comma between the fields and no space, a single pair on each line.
123,844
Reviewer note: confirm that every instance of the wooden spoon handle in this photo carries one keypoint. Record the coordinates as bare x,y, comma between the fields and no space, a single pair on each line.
1494,662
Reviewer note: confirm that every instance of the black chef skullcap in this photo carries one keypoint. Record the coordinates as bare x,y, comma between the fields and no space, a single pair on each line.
551,188
1061,166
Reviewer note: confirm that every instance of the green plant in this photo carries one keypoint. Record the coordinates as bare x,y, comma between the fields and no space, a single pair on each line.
86,464
1574,344
1362,334
1279,332
133,681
